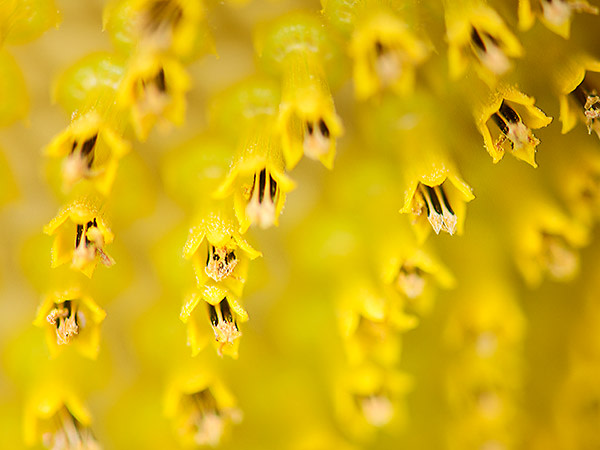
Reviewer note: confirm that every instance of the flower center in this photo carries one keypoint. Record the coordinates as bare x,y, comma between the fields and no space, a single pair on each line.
377,409
159,20
388,63
513,129
65,317
439,212
316,139
220,262
263,195
152,95
488,51
559,257
89,242
588,99
223,324
78,164
68,433
411,281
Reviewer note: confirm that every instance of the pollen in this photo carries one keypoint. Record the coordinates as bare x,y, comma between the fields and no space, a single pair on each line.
263,197
220,262
439,212
65,318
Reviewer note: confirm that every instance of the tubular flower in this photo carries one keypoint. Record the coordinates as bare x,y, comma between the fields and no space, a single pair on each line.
506,122
370,325
257,180
71,318
80,237
22,21
413,272
219,252
169,26
436,197
385,53
201,408
555,14
224,313
299,48
90,149
370,398
58,420
578,85
476,32
152,89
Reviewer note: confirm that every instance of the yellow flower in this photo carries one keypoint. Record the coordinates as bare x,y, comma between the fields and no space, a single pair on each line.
22,21
257,180
219,252
555,14
90,149
579,84
385,53
369,398
298,48
154,88
56,417
71,318
513,116
201,408
476,32
371,323
81,236
15,101
224,313
435,197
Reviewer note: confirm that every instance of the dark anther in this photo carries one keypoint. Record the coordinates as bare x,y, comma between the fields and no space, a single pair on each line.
214,319
74,146
509,113
87,149
477,39
87,227
261,185
79,234
323,128
273,189
379,48
229,257
215,256
434,200
500,122
160,81
446,202
309,125
226,311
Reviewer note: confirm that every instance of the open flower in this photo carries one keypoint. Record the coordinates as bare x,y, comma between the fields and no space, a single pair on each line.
506,121
81,236
555,14
71,318
90,149
477,33
385,53
201,408
56,418
257,180
579,87
219,252
224,313
154,88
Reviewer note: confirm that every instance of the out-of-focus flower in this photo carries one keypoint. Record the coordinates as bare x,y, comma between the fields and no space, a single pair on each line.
555,14
152,89
201,408
579,87
385,53
55,417
257,180
22,21
298,48
171,26
224,313
81,235
71,318
476,32
513,115
219,252
15,101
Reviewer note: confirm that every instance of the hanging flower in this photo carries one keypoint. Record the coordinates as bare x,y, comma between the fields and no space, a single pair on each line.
555,14
506,122
81,235
71,318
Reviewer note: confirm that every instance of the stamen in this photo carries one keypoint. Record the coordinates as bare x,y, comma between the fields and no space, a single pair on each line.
91,245
559,257
411,281
64,316
68,433
78,164
225,326
513,129
316,139
159,21
440,214
261,208
558,12
489,53
220,263
377,409
388,63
